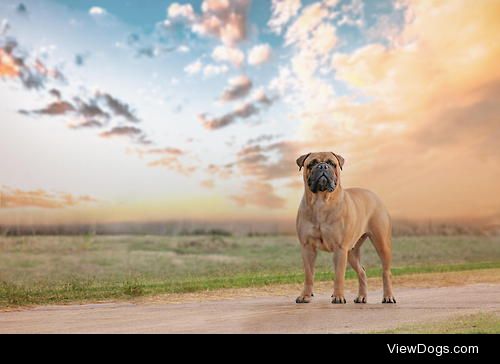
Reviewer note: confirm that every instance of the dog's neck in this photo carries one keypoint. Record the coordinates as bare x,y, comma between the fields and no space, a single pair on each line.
330,199
324,204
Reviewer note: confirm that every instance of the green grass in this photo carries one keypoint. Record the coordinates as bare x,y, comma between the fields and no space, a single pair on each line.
479,323
93,289
41,270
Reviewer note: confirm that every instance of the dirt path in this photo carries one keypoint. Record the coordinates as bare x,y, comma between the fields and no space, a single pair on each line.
267,314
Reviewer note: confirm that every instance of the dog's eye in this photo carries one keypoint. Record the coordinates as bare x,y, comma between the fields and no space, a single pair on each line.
331,163
312,164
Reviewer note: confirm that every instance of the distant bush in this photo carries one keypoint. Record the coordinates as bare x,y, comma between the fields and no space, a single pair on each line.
201,231
419,228
401,227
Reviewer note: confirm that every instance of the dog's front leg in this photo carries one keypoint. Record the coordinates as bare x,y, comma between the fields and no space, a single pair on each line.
308,259
340,263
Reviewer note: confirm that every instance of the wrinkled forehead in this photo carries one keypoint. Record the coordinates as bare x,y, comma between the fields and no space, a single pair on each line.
320,157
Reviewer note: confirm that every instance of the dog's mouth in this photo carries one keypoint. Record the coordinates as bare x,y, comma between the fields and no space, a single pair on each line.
321,183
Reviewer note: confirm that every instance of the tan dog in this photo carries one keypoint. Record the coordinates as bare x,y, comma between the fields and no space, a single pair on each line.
337,220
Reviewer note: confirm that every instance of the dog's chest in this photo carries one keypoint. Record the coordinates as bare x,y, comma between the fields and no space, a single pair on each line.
324,233
325,238
322,227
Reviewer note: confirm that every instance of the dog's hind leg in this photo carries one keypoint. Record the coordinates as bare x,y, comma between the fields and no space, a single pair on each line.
382,241
354,258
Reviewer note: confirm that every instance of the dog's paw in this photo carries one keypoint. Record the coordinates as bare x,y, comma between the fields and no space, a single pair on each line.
389,299
360,299
304,299
338,299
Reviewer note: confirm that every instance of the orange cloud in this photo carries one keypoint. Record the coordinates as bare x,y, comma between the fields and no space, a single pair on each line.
173,163
131,132
425,136
208,183
8,66
169,157
259,194
16,198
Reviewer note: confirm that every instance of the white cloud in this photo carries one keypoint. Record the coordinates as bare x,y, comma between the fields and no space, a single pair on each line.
259,54
310,18
97,11
176,11
183,49
228,54
261,97
211,70
283,12
193,68
352,14
313,39
4,27
223,19
323,39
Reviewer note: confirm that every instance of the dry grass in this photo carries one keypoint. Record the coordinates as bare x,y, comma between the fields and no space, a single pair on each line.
59,269
423,280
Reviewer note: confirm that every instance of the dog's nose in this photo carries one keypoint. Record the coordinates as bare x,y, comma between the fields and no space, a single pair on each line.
322,166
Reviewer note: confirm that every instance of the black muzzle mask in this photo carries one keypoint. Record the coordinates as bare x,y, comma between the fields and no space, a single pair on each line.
322,178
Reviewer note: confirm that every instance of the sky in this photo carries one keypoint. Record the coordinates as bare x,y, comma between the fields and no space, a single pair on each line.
139,111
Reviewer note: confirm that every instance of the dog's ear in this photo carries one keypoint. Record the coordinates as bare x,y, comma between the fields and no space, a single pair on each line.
340,159
301,159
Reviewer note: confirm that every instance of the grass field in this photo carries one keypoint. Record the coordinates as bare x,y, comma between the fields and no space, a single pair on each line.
478,323
49,269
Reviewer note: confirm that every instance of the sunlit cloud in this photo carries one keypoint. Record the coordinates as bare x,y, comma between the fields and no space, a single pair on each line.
238,88
124,131
207,183
282,12
255,160
259,54
176,10
11,198
8,65
421,91
31,71
259,194
231,55
56,108
224,20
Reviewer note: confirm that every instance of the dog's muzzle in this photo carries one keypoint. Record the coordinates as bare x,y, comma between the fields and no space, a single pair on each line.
321,179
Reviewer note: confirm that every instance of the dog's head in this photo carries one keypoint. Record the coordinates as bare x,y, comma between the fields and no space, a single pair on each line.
321,170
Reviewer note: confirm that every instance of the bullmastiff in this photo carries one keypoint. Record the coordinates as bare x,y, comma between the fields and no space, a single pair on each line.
338,221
